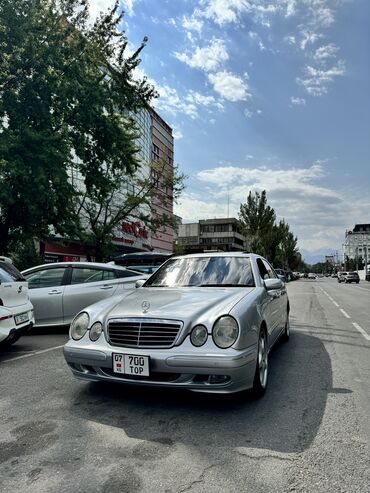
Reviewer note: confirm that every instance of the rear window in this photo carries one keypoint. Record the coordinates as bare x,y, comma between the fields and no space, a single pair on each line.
9,273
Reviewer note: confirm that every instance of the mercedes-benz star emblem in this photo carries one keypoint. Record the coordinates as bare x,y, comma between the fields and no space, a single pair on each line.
145,305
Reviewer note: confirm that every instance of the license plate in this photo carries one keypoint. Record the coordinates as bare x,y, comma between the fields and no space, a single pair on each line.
131,364
20,319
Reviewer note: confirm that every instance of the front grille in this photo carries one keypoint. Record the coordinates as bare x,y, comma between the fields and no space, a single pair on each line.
143,333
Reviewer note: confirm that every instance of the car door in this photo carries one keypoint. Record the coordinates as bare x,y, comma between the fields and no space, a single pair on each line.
46,289
269,303
87,286
273,302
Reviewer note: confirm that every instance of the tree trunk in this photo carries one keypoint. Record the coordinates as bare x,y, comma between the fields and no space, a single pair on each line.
4,239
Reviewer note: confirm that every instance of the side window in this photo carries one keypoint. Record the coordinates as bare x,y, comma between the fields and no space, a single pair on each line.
108,274
46,278
270,270
81,275
262,269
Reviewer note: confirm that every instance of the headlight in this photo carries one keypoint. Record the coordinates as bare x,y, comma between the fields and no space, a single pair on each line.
198,335
95,331
225,332
79,326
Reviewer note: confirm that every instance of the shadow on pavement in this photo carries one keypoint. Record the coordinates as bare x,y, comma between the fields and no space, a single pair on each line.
286,419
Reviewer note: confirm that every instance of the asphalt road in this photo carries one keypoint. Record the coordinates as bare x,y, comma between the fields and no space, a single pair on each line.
310,432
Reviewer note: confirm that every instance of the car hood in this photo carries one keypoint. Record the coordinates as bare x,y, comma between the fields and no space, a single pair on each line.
190,305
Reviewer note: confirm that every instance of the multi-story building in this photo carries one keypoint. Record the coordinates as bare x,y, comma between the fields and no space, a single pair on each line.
357,242
163,151
212,234
155,142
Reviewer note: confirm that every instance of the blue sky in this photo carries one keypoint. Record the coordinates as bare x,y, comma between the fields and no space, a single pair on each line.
264,94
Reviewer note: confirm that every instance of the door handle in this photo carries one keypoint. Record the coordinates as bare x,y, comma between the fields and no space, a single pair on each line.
107,286
54,291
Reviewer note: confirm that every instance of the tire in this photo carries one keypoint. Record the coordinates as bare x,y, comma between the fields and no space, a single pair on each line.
261,373
11,339
286,334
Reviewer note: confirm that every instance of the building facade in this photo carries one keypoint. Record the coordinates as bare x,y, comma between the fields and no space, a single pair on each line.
162,151
357,243
155,142
212,234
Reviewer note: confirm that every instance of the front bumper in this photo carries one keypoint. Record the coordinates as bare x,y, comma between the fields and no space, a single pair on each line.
173,368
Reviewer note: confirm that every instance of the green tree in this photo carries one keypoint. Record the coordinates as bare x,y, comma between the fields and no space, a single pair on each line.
66,88
273,240
127,198
257,220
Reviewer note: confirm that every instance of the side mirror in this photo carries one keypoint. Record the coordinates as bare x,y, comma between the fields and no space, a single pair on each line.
271,284
139,283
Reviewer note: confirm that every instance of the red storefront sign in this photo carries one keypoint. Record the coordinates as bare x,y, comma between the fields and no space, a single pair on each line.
135,229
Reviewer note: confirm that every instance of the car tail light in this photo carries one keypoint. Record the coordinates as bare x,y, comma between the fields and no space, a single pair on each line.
6,317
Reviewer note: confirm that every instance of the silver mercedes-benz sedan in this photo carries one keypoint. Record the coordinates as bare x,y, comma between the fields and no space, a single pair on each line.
204,322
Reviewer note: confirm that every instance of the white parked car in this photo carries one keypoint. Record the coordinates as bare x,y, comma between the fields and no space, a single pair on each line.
16,310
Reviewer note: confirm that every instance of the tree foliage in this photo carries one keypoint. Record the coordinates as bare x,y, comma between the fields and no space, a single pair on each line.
266,237
129,198
66,89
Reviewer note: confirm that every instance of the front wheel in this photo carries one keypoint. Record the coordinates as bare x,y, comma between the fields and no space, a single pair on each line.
261,373
286,333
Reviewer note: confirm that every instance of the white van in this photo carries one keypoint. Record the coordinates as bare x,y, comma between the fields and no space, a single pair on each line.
16,310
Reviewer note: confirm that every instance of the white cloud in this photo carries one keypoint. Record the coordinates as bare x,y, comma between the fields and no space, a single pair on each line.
324,52
290,8
192,23
290,40
177,133
308,37
207,58
248,113
298,101
128,6
316,213
317,79
225,11
257,39
203,100
229,86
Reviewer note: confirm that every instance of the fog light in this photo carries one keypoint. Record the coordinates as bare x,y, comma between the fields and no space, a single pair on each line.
214,379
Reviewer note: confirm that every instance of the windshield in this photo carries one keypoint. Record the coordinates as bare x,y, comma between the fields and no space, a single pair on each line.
204,271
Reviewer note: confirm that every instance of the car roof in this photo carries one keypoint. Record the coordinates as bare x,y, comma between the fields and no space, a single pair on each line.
100,265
